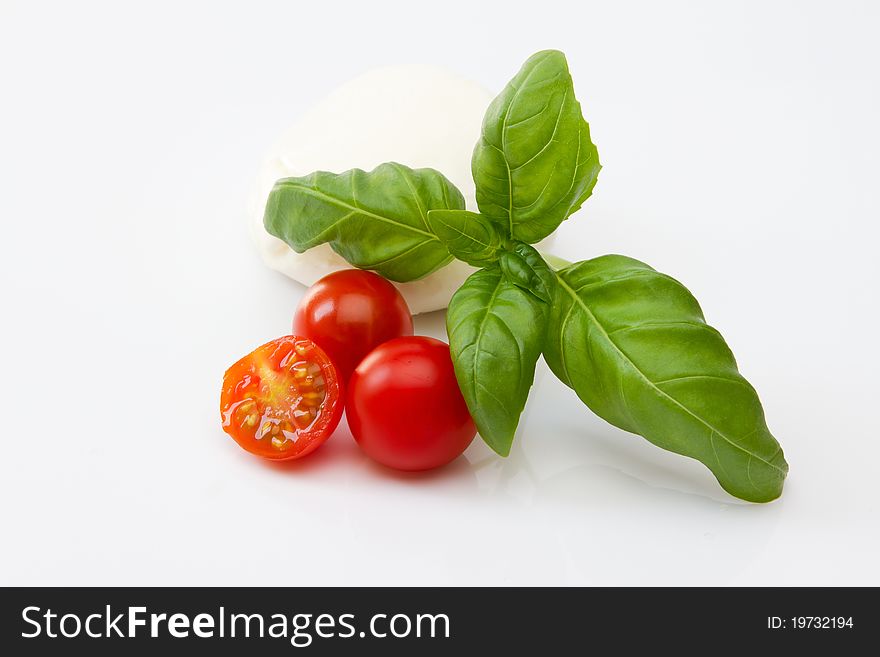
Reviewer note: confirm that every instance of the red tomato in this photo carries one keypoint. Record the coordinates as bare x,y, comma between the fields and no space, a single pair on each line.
404,406
349,313
282,400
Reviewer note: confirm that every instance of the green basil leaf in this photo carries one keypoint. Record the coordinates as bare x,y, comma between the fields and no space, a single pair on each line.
634,346
496,331
524,267
375,220
534,164
468,236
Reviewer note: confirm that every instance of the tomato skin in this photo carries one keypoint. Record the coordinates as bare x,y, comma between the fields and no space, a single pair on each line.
282,400
405,408
349,313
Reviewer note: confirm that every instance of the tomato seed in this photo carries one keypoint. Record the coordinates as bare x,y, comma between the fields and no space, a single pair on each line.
302,419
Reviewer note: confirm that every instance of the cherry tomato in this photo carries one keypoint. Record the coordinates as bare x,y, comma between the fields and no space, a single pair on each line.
282,400
404,406
349,313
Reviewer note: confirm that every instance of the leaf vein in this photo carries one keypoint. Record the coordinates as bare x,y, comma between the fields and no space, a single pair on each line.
359,210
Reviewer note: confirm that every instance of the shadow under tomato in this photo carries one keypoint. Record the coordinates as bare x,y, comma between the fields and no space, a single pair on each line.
340,451
458,469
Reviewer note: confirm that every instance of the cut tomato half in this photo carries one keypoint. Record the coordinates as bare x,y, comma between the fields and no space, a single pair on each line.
282,400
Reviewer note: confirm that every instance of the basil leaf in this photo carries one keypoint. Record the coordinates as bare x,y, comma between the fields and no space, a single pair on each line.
496,331
468,236
375,220
534,164
634,346
524,267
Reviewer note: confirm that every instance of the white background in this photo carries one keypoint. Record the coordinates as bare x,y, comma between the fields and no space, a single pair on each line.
740,146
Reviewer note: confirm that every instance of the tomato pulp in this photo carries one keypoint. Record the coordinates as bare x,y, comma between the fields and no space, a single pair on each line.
350,312
405,408
282,400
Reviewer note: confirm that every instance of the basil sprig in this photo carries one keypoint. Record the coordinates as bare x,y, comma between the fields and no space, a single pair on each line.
630,341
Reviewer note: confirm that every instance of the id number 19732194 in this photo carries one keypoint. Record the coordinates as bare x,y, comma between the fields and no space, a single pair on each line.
810,623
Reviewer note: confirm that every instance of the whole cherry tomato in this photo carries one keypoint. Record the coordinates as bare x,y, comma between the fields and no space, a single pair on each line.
405,408
349,313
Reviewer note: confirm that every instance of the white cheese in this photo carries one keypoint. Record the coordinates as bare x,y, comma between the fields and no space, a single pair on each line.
417,115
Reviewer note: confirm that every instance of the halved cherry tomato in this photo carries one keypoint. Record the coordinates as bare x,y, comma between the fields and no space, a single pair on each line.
349,313
405,408
282,400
